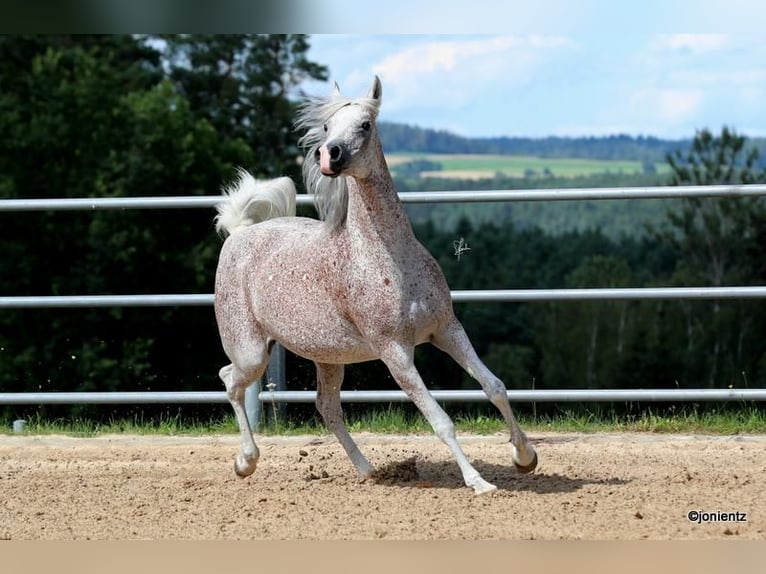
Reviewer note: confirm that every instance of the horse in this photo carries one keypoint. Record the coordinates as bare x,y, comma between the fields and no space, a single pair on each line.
354,285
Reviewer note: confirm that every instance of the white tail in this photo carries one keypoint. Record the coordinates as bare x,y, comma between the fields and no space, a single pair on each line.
249,201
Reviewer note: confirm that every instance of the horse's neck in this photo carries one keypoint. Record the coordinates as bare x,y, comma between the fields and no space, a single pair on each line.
375,213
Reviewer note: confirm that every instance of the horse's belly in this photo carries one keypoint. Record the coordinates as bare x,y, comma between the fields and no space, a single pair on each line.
333,350
309,326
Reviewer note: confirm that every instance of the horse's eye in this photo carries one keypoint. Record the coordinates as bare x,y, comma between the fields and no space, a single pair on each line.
324,127
366,126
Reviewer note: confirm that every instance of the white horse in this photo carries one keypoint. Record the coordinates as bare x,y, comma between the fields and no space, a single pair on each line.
353,287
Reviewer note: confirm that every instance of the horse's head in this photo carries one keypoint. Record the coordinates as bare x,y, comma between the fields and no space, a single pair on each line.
348,133
346,130
340,140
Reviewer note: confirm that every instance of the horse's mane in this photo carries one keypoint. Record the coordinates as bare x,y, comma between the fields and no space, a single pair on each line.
330,194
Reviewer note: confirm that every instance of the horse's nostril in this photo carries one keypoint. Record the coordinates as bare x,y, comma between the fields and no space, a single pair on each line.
317,154
335,152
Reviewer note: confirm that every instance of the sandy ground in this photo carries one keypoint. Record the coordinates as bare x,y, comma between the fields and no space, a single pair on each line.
606,486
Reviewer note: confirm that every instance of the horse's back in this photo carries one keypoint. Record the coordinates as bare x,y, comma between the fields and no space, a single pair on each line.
260,240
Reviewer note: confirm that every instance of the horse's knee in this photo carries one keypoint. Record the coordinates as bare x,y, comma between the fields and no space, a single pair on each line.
234,388
237,381
496,391
246,366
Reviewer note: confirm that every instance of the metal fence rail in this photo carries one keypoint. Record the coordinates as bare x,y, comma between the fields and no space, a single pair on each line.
473,295
499,195
465,396
503,295
113,398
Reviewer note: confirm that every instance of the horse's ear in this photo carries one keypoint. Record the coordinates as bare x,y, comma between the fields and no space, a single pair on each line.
376,90
335,89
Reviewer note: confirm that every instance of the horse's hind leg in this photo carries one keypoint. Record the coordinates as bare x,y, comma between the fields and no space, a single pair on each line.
399,360
454,341
237,381
330,379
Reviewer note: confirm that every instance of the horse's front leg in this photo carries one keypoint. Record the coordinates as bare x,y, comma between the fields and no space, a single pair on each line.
454,341
330,379
399,360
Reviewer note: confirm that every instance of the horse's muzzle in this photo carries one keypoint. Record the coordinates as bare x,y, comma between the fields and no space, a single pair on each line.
332,158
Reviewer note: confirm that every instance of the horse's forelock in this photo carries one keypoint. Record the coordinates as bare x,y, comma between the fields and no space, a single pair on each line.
315,112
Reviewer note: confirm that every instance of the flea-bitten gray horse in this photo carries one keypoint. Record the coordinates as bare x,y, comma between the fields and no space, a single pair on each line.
354,286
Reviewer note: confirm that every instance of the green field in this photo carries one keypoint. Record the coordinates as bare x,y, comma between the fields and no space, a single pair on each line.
478,166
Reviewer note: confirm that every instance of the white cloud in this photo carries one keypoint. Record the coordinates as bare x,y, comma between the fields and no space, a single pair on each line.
453,72
670,105
692,43
683,81
446,56
678,105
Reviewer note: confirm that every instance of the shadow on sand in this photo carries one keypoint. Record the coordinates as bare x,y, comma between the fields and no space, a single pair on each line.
419,473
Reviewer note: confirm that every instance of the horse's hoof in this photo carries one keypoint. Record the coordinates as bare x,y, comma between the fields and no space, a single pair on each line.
527,468
483,487
367,474
244,468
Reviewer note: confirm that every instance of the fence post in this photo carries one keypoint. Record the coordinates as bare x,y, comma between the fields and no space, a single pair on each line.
253,406
275,373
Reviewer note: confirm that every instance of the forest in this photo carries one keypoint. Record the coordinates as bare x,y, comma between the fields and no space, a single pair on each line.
120,116
400,137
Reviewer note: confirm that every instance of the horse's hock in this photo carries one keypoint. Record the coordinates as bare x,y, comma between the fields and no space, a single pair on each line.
612,486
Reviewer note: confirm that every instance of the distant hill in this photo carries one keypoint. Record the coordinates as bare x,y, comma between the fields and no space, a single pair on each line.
405,138
614,218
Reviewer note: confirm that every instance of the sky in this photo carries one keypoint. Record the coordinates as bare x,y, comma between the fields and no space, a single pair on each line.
622,72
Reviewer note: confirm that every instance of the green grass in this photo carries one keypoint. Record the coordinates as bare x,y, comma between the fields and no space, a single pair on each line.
724,421
396,420
515,166
80,427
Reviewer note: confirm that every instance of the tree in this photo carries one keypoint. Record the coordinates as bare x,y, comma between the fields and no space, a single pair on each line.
90,116
584,344
95,116
717,241
714,234
242,84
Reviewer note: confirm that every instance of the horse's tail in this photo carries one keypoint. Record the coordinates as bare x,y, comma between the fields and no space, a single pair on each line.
249,201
